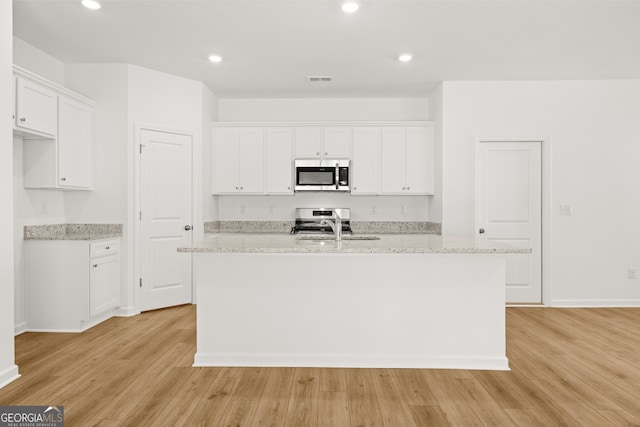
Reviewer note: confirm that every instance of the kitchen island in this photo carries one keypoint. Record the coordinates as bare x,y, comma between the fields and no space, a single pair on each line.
403,301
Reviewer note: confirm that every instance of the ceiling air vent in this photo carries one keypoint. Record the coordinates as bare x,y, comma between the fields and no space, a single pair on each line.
320,79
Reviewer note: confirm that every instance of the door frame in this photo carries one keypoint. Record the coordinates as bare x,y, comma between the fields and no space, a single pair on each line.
545,148
196,202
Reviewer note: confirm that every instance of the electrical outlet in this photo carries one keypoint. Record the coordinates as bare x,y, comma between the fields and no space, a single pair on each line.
242,209
44,209
374,210
270,210
404,209
632,273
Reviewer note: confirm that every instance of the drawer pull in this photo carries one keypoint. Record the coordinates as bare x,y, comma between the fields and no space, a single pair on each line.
106,248
95,265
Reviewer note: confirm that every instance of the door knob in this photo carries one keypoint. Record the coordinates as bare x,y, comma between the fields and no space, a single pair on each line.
187,227
481,231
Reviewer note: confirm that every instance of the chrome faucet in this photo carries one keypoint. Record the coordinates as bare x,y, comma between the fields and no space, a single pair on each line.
336,226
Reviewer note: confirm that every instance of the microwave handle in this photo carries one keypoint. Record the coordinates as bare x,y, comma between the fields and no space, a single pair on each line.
337,175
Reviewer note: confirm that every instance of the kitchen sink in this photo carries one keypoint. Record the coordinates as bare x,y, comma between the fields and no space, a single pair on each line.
332,237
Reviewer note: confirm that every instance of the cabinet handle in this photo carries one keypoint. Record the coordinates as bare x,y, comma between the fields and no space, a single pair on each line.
242,188
106,248
187,227
408,188
23,119
404,188
237,188
63,179
355,188
288,188
95,265
325,153
318,153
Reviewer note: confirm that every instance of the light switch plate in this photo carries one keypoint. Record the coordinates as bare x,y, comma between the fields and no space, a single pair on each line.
566,210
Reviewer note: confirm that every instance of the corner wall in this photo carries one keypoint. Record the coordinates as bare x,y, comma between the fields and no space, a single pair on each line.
593,133
8,368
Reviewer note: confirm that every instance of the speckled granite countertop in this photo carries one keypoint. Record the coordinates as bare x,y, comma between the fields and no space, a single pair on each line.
72,231
388,243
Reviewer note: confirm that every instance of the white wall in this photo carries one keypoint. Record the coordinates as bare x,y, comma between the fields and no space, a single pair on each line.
209,114
168,102
37,61
363,208
323,109
593,133
8,368
31,207
435,109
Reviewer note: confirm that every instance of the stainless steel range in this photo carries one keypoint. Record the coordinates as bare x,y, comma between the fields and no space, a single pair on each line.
316,220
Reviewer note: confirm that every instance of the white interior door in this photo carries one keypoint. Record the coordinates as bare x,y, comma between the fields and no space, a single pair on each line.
166,204
509,210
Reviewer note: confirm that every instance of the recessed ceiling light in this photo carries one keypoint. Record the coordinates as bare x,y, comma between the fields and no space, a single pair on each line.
91,4
350,6
405,57
215,58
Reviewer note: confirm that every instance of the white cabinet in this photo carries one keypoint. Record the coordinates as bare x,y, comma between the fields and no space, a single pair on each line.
332,142
365,167
105,272
35,109
57,129
71,285
278,160
406,160
74,143
238,160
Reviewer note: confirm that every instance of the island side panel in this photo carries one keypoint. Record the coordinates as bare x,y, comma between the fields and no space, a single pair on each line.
351,310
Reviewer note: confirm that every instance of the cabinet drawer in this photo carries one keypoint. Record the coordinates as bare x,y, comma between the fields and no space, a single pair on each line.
104,247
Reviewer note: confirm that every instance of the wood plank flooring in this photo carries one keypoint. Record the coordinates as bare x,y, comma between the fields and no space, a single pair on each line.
570,367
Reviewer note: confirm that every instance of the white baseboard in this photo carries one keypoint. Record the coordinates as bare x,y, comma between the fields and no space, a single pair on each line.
595,303
9,375
19,328
126,312
350,361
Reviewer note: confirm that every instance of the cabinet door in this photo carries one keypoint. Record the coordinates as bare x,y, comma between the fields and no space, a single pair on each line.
251,160
308,143
278,160
392,161
419,153
365,168
74,143
226,160
104,284
337,143
36,108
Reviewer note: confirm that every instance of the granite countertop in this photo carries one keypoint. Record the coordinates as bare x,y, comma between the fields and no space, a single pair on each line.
388,243
72,231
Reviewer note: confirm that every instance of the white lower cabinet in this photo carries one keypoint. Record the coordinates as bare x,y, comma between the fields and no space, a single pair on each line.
71,285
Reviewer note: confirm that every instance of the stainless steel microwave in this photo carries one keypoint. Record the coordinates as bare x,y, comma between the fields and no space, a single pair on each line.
321,175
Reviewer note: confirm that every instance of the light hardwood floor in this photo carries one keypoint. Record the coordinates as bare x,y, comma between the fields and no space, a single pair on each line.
570,367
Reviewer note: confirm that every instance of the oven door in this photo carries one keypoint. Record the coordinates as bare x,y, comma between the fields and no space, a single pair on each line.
315,178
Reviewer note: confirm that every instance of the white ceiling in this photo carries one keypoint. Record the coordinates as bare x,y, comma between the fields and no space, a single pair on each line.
270,47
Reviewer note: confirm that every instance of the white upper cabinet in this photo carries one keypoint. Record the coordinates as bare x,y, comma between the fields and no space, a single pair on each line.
337,143
420,159
278,160
238,160
365,168
407,161
36,109
308,142
323,142
74,143
57,130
